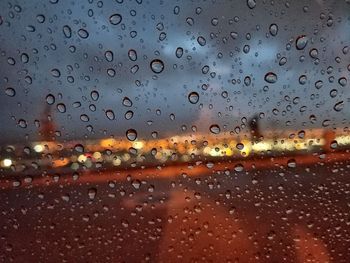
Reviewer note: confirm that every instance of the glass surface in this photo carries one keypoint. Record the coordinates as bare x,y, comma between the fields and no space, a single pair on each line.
174,131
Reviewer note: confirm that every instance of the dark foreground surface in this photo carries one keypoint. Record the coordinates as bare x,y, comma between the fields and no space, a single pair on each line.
279,214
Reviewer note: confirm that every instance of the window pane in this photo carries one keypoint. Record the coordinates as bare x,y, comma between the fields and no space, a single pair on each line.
181,131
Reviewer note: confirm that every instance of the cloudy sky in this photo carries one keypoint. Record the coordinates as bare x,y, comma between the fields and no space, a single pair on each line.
242,59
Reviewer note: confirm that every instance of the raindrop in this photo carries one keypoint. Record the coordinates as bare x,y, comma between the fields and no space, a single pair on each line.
111,72
318,84
10,92
162,36
313,53
83,33
40,18
193,97
84,118
270,77
251,4
273,29
234,35
109,55
131,134
134,69
110,115
50,99
239,167
214,21
301,42
132,55
115,19
190,21
61,108
127,102
11,61
67,31
201,41
55,73
334,144
79,148
129,114
24,58
247,80
339,106
136,184
302,79
205,69
92,193
179,52
291,163
157,66
282,61
240,146
215,129
342,81
22,123
94,95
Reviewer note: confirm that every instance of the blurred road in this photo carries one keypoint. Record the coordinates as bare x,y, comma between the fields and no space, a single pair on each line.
205,213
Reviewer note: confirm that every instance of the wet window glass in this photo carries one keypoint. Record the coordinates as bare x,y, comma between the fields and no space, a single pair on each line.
174,131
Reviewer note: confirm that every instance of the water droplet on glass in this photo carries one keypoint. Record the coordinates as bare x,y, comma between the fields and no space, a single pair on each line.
110,115
193,97
234,35
179,52
40,18
342,81
215,129
22,123
334,144
24,58
313,53
136,184
50,99
201,41
84,118
273,29
291,163
61,108
55,73
132,55
127,102
157,66
94,95
270,77
109,55
282,61
238,167
302,79
129,114
67,31
214,21
190,21
92,193
131,134
251,4
318,84
79,148
115,19
134,69
10,92
247,80
301,42
338,106
83,33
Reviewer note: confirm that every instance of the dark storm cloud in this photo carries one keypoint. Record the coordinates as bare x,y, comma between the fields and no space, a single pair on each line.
251,54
